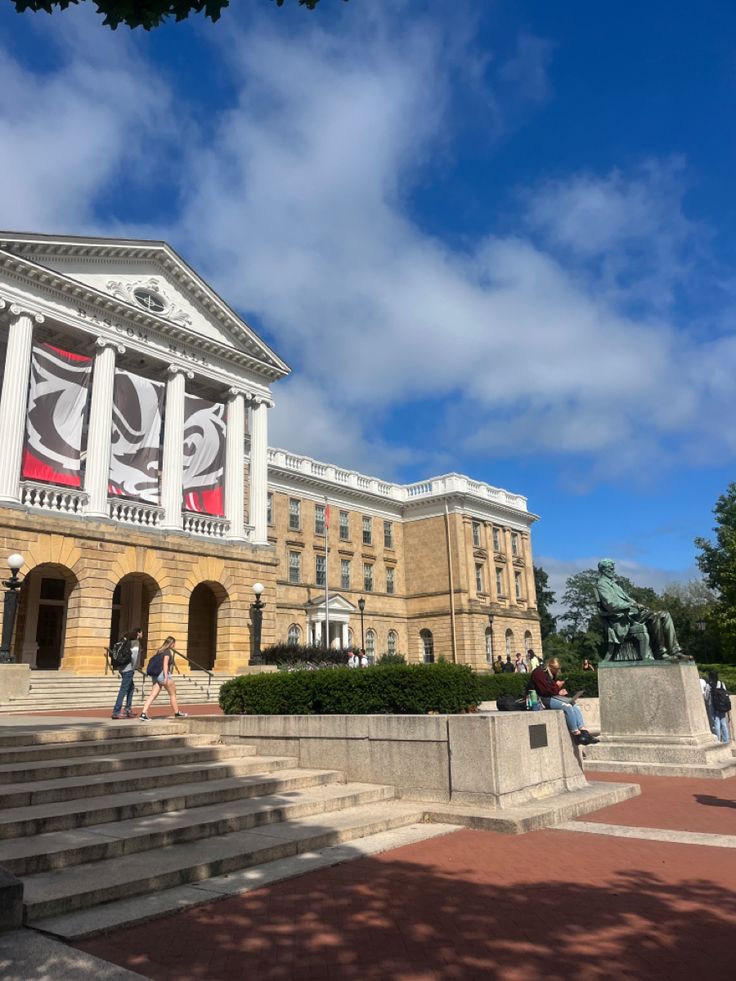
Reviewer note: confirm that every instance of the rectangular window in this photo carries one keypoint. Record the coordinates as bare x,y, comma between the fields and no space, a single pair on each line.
517,584
499,582
344,526
295,514
496,540
269,509
514,543
390,580
479,579
368,577
345,574
476,534
367,531
295,567
319,519
388,534
320,569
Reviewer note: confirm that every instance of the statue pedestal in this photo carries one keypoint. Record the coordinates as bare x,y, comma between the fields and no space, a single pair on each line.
653,720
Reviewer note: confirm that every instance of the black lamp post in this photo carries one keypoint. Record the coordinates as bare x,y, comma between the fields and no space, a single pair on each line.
256,614
10,605
361,607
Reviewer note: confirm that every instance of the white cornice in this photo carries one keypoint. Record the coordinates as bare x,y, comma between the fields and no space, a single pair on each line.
110,252
290,472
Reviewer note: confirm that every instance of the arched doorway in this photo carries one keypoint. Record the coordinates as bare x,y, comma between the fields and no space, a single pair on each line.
41,626
204,606
131,603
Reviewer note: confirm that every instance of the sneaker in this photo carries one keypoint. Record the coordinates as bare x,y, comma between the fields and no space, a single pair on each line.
114,716
144,718
180,715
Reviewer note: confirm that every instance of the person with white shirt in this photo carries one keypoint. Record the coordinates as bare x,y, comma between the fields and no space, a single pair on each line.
131,643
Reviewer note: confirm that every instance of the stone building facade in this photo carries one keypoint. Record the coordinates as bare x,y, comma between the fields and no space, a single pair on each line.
444,566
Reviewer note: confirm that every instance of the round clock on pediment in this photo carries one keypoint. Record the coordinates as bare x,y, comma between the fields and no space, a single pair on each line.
150,300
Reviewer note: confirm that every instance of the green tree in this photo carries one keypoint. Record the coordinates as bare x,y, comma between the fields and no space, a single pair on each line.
146,13
545,599
717,561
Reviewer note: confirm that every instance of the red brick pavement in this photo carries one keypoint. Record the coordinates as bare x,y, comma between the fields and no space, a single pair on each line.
677,804
472,905
160,710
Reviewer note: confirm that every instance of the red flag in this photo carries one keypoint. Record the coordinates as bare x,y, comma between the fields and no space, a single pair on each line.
327,516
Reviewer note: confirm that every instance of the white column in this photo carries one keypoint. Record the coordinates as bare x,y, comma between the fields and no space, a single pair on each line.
317,631
14,400
259,470
99,434
234,465
345,639
173,463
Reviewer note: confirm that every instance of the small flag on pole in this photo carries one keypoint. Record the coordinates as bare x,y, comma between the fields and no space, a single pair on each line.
327,515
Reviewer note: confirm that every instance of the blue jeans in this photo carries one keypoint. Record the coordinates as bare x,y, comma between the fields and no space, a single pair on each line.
720,726
573,715
126,692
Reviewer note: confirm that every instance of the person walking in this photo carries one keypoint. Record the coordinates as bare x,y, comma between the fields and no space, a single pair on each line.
498,665
160,669
720,705
532,660
127,654
520,666
508,667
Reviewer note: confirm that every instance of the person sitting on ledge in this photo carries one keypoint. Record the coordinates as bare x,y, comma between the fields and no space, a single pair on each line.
623,617
552,694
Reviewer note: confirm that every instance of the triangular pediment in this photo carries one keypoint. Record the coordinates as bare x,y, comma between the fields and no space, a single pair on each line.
150,277
337,604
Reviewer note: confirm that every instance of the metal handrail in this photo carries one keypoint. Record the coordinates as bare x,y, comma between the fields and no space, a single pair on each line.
210,674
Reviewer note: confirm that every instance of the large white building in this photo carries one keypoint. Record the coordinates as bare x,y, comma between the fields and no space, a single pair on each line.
136,481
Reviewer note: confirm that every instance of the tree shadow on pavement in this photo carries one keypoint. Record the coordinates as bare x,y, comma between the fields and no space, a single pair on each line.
714,801
412,918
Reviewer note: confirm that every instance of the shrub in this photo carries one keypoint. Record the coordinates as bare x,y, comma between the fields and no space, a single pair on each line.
402,689
726,673
493,685
391,659
305,654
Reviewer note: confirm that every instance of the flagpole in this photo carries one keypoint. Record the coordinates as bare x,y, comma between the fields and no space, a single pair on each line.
327,575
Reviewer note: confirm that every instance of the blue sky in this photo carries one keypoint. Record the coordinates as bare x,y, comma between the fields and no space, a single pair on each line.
489,237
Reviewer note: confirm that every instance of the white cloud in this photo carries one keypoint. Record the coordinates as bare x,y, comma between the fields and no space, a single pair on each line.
297,206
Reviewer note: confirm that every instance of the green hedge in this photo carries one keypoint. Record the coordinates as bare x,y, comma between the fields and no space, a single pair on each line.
726,673
292,654
402,689
493,685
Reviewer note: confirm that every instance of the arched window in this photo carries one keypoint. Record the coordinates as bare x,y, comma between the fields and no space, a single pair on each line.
370,643
489,645
392,642
527,641
509,642
427,646
295,634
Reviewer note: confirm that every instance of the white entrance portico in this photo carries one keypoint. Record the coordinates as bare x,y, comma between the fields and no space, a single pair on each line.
340,610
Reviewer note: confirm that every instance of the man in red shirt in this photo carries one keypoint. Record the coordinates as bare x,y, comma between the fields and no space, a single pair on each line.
552,692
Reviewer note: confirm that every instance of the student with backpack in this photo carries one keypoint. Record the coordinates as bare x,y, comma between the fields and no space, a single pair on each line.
160,671
124,658
720,705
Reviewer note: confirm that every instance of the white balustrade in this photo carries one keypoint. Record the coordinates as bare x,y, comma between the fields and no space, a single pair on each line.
64,500
136,513
207,525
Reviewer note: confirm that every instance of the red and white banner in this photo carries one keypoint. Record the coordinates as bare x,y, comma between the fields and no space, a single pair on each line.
57,405
135,460
204,456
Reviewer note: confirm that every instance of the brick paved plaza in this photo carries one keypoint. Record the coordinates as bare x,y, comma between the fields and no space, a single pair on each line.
550,904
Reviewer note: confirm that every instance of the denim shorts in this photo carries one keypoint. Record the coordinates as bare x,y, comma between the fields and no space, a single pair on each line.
163,678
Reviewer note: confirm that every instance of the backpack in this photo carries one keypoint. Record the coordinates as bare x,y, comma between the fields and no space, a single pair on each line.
120,655
720,700
155,665
510,703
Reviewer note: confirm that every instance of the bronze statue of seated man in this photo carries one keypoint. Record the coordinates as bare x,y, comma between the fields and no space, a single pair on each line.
625,619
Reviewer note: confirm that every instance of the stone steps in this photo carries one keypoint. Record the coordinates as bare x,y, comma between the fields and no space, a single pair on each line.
98,815
54,691
49,894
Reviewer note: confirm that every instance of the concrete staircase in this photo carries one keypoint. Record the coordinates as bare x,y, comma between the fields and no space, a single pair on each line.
91,817
53,691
